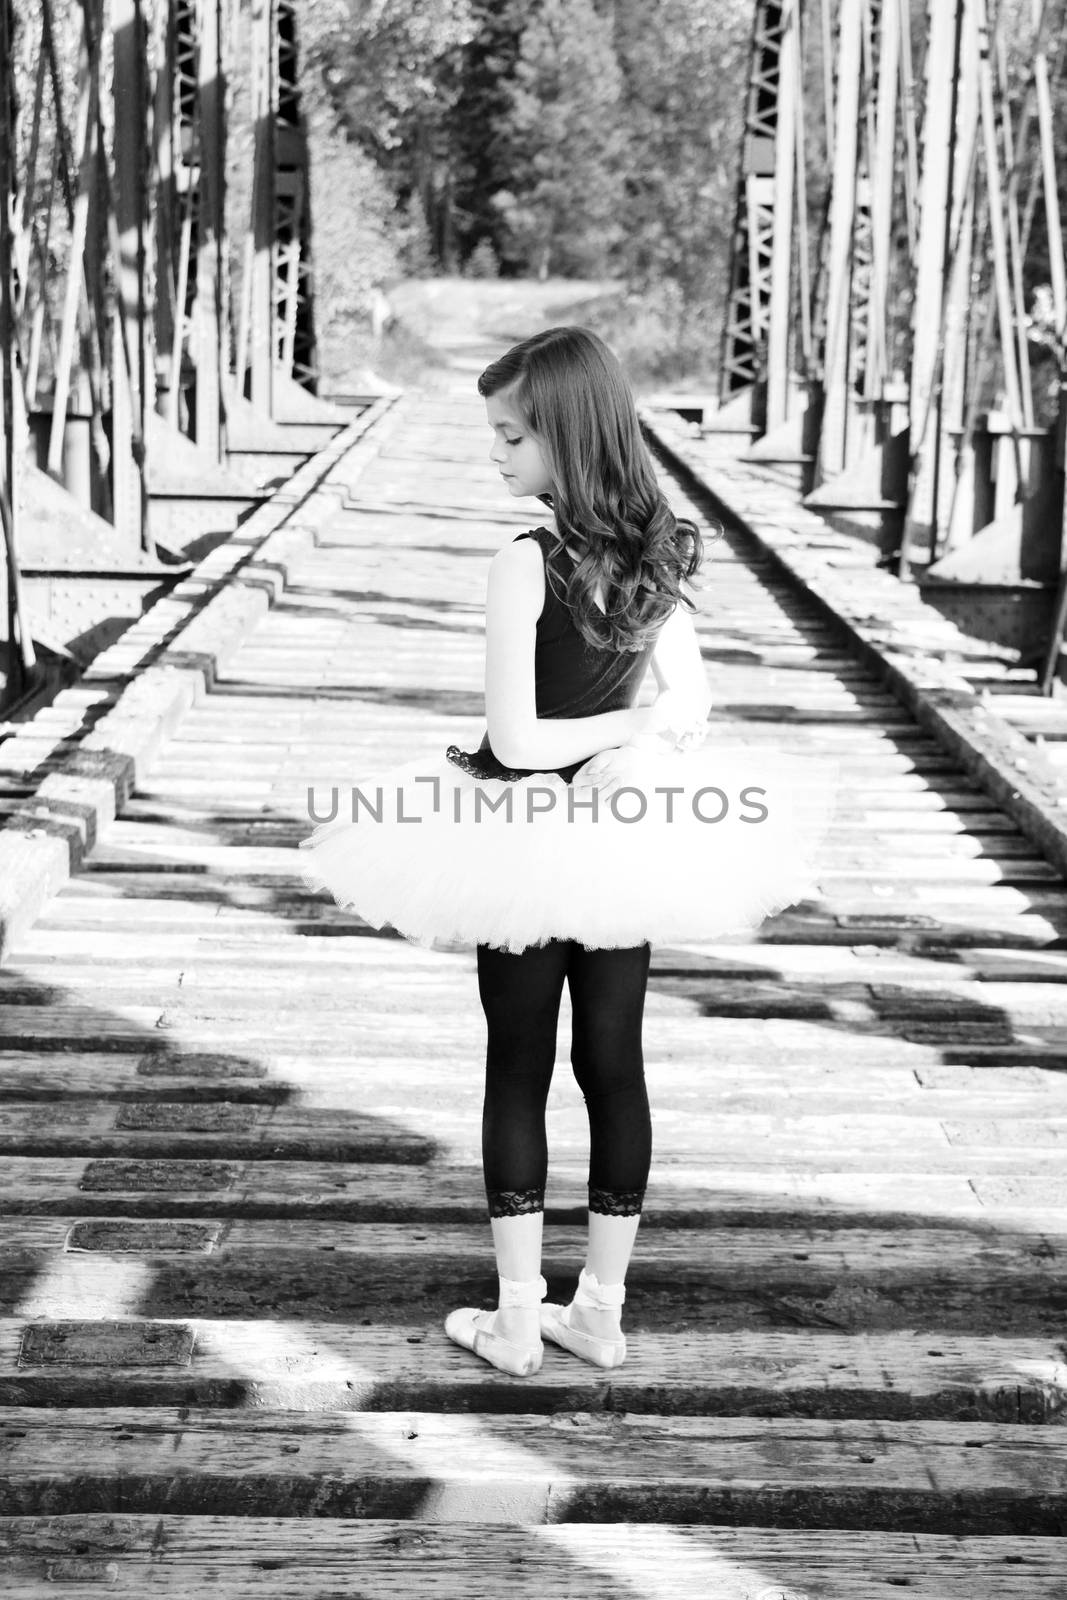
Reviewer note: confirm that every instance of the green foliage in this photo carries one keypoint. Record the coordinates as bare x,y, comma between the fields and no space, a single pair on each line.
482,261
561,211
356,245
585,138
575,136
391,71
384,63
479,140
684,109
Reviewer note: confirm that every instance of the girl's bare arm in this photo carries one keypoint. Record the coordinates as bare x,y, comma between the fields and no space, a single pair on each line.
519,737
678,665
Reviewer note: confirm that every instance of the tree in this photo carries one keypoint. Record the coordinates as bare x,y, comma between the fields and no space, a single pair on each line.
392,71
563,144
685,82
479,121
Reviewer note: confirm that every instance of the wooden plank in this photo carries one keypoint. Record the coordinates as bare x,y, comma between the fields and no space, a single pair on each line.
217,959
338,1366
260,1558
446,1120
923,1477
748,1047
256,1039
209,1128
198,994
816,1256
916,1085
50,1186
680,1280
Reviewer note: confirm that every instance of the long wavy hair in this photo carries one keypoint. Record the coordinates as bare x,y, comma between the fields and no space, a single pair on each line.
574,399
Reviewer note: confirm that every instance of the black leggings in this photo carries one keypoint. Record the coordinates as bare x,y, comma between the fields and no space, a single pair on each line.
520,996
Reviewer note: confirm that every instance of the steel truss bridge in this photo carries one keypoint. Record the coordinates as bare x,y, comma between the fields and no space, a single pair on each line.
897,309
901,336
122,318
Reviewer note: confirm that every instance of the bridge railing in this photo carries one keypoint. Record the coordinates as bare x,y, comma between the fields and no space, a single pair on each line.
118,307
897,318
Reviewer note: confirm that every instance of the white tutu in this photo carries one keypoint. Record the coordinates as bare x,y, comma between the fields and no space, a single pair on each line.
451,860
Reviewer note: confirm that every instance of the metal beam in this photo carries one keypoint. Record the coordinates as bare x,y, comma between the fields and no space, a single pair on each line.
833,442
210,341
757,322
779,319
131,327
20,653
260,285
944,185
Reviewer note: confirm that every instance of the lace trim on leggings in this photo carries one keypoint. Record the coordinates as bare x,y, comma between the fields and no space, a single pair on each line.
616,1202
515,1202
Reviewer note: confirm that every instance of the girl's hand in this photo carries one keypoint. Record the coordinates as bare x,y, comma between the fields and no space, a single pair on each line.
676,719
614,769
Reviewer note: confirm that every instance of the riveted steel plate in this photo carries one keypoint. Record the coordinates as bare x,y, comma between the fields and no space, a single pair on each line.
165,1176
122,1234
209,1117
106,1344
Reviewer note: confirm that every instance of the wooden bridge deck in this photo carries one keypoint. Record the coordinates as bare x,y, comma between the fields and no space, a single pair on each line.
239,1180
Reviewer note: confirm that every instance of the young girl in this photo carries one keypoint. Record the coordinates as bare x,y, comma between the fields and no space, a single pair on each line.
583,828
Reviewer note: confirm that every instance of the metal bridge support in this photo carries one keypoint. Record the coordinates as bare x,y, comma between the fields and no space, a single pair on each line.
862,458
114,166
845,200
926,420
1002,541
757,330
20,651
130,332
191,342
942,270
277,310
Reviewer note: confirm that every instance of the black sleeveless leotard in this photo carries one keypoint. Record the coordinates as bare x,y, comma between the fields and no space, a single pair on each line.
572,677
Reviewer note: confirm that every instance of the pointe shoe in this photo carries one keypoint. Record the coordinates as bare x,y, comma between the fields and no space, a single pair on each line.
473,1329
556,1323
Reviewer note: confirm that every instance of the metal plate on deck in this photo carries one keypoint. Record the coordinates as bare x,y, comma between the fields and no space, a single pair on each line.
209,1117
106,1344
122,1234
167,1065
166,1176
889,919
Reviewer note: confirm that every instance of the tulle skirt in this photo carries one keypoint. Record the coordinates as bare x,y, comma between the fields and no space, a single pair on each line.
696,846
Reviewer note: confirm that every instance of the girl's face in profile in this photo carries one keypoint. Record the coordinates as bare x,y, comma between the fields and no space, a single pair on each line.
516,452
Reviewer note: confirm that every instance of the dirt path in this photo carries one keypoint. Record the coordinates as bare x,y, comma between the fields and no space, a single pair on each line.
467,322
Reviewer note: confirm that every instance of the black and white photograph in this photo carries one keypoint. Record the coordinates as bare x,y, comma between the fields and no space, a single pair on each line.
533,799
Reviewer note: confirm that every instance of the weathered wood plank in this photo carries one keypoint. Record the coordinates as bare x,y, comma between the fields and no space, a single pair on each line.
196,995
258,1558
256,1038
817,1256
49,1186
929,1476
777,1087
209,1128
341,1367
214,954
445,1121
681,1280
